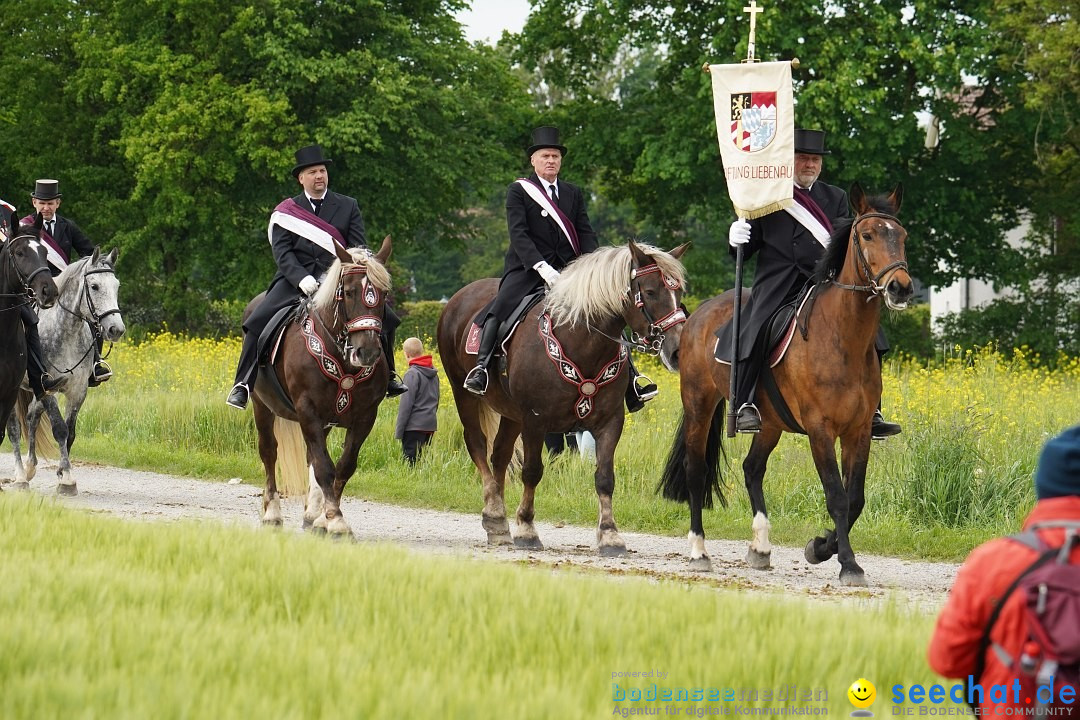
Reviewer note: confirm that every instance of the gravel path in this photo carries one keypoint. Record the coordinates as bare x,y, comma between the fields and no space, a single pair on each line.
153,496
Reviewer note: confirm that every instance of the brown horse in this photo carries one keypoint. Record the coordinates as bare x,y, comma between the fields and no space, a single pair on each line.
829,379
566,369
331,365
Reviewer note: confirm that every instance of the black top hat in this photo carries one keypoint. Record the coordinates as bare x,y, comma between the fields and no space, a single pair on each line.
46,190
811,142
308,156
545,137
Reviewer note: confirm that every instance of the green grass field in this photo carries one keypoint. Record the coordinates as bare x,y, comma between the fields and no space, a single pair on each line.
112,619
960,472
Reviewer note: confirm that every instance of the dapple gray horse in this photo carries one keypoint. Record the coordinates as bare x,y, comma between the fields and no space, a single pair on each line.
88,297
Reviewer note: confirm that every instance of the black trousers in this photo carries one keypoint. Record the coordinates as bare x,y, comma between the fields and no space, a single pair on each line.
412,443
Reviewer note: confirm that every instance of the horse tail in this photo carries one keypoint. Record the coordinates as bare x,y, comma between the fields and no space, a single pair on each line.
489,423
674,484
292,462
44,443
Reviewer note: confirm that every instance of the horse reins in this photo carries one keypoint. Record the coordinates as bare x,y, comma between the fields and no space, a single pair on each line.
874,288
372,297
94,321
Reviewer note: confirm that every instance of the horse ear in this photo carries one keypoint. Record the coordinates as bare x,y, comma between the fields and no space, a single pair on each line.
640,258
858,198
896,197
384,252
110,259
343,254
96,255
678,252
38,222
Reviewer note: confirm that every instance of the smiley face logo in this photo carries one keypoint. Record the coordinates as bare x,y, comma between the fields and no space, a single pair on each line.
862,694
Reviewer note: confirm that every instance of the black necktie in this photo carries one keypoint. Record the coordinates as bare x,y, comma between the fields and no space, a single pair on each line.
554,192
317,202
49,226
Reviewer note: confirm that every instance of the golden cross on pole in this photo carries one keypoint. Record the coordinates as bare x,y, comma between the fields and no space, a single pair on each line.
753,10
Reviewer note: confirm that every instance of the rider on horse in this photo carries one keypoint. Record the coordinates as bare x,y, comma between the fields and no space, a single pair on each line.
303,230
790,244
61,236
548,227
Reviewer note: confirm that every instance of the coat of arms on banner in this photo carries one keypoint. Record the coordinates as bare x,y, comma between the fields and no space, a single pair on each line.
753,120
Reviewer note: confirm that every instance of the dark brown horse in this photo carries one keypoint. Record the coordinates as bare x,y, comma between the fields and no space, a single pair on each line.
331,366
24,280
830,381
566,369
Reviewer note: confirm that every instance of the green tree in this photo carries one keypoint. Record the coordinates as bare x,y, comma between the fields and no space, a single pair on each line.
173,124
871,75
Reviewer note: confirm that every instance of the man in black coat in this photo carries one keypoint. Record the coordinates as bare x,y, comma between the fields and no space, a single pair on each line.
542,243
297,227
789,245
65,243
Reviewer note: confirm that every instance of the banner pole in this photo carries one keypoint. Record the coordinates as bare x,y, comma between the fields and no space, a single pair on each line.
736,324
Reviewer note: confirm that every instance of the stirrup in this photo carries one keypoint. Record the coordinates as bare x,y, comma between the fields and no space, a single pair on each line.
748,419
473,380
102,371
647,391
238,396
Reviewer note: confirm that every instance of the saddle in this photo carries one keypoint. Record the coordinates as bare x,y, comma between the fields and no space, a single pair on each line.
777,334
506,328
268,346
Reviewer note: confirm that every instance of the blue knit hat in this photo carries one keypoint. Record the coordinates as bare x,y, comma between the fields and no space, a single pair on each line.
1058,473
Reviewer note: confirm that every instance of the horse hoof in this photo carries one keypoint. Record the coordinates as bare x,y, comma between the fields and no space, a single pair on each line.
318,530
758,560
852,578
810,552
69,490
612,550
701,564
528,543
20,485
500,539
275,523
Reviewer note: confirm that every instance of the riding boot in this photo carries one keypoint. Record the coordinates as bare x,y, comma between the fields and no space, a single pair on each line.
36,374
638,395
247,369
101,371
748,419
476,381
394,386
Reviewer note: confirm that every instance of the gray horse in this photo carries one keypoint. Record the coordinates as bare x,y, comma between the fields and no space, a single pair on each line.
88,297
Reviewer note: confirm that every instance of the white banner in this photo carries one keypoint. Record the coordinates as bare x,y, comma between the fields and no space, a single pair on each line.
755,126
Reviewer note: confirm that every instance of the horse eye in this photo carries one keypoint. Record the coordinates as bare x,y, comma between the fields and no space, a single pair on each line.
94,287
867,237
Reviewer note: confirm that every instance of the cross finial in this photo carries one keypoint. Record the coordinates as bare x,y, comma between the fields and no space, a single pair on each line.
753,10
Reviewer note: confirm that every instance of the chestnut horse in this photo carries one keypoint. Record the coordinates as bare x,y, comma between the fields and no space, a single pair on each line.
24,280
829,379
331,366
565,369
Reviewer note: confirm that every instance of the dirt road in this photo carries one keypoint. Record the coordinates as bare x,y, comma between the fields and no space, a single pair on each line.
152,496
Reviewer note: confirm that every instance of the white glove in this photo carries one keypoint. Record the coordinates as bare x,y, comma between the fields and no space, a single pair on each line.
547,272
309,285
739,234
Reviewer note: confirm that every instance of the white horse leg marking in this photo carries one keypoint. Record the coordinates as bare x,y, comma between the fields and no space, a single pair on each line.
761,527
313,504
272,515
697,545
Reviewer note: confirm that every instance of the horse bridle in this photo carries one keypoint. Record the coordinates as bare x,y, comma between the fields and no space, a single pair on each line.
654,341
874,288
27,291
94,321
372,297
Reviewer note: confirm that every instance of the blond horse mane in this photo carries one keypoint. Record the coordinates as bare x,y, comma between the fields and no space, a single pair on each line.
377,275
594,286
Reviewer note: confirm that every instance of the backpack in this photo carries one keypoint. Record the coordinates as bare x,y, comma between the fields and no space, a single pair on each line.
1049,658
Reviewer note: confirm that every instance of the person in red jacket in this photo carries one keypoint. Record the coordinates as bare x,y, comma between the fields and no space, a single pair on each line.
991,568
